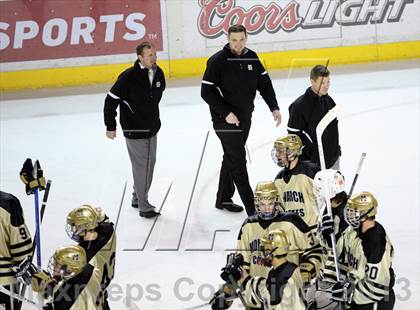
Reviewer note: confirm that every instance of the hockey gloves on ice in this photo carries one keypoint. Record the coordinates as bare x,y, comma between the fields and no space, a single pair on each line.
32,176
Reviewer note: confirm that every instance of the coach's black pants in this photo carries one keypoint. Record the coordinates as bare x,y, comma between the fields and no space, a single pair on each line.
233,170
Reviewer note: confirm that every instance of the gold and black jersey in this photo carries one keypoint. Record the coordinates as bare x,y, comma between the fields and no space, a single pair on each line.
15,239
248,244
369,258
295,188
101,252
80,292
280,290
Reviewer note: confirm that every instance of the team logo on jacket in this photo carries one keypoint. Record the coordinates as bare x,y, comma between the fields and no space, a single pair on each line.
158,84
249,67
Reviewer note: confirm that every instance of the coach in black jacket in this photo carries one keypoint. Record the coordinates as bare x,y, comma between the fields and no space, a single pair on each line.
232,77
306,113
138,92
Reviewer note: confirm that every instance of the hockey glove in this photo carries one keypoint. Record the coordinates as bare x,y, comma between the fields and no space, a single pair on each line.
32,176
342,291
232,270
308,272
222,299
326,228
25,270
40,281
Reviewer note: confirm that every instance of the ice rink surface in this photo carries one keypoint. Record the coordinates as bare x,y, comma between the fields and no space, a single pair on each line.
174,262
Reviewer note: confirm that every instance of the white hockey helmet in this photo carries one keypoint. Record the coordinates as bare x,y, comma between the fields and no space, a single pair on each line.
327,184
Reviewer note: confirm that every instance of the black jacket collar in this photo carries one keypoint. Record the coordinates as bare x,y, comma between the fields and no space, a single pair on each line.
229,53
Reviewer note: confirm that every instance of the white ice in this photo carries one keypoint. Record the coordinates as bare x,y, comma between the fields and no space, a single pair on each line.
178,267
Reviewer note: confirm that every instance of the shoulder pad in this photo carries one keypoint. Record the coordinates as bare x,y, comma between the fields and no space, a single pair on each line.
12,205
307,168
280,175
294,219
373,243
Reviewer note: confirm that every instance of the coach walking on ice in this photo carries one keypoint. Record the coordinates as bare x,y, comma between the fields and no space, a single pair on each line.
232,77
307,111
137,92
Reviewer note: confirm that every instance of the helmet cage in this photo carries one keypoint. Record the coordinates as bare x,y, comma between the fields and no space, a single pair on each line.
286,154
270,214
63,273
353,216
74,233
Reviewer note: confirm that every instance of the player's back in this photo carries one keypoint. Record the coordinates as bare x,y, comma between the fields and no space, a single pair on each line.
101,252
15,239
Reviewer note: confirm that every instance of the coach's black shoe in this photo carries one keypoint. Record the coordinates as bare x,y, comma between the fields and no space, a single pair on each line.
149,214
230,206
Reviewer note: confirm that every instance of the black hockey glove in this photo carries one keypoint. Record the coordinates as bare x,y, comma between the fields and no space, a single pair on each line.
342,291
326,228
25,271
232,271
32,176
223,298
48,306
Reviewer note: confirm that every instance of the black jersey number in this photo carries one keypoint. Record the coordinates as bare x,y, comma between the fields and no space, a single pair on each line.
23,234
372,272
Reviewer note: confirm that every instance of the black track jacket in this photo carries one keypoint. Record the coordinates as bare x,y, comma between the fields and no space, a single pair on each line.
304,115
138,101
230,84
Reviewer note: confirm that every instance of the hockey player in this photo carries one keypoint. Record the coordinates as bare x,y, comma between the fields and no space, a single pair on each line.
78,283
270,216
96,235
369,254
295,181
281,289
328,184
15,245
295,187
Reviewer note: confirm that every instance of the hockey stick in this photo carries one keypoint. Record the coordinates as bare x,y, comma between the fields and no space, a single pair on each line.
320,128
17,296
356,176
34,245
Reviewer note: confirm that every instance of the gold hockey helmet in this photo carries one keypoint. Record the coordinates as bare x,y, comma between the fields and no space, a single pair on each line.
266,200
274,244
67,262
80,221
360,206
286,149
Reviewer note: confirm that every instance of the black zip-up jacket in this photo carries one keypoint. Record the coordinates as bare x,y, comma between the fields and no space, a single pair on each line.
304,115
138,101
230,84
